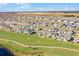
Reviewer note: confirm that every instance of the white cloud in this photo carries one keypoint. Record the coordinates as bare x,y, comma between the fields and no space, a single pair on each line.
41,9
23,5
2,4
70,9
45,9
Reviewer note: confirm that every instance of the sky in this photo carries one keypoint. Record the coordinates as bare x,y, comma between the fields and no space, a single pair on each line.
14,7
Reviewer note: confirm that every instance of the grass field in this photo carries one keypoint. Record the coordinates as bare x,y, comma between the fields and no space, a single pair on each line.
34,40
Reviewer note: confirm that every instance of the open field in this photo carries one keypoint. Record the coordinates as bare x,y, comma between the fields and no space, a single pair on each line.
48,14
57,14
33,40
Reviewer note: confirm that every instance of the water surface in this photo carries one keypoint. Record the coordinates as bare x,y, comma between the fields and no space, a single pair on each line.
5,52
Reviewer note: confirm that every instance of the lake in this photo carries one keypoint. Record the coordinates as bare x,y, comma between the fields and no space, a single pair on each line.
5,52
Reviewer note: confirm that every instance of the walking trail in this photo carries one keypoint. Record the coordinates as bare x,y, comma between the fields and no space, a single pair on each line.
15,42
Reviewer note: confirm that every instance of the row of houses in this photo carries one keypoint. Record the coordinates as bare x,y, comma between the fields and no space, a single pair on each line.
60,28
57,34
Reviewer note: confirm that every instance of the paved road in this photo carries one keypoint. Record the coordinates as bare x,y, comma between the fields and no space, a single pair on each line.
15,42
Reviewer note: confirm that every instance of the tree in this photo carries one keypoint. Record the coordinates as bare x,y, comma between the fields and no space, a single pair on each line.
71,39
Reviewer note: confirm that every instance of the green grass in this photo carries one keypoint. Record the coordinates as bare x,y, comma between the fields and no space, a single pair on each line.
35,40
19,50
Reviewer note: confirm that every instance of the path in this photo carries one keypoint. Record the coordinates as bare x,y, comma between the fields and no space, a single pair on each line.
39,46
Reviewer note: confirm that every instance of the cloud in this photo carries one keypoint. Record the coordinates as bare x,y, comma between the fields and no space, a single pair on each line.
41,9
3,4
70,9
23,5
18,7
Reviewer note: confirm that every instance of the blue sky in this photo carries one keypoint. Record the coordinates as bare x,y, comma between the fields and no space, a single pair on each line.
9,7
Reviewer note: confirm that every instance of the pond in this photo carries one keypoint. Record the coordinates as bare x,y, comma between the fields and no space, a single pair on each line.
5,52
